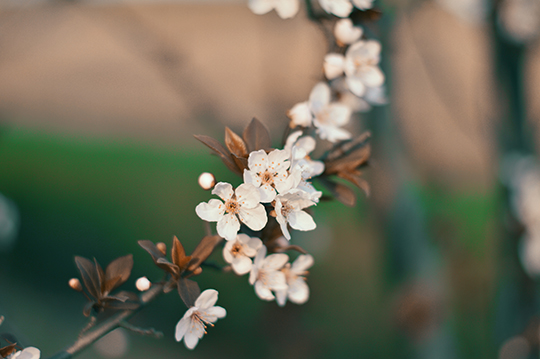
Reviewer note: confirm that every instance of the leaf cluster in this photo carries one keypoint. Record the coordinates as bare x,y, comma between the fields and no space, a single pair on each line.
345,160
182,266
99,284
235,155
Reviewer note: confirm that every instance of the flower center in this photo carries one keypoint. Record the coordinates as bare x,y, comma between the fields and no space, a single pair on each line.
267,177
231,206
286,209
197,318
236,250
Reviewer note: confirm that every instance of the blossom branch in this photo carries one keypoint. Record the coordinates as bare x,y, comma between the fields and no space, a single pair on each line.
108,325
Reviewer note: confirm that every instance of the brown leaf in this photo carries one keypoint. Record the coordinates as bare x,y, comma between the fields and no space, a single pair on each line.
257,136
109,285
349,162
172,268
156,254
219,150
120,267
358,181
241,162
7,350
89,276
178,253
342,193
203,250
235,143
189,291
343,147
101,276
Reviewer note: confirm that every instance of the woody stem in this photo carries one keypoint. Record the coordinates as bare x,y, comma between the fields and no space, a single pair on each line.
108,325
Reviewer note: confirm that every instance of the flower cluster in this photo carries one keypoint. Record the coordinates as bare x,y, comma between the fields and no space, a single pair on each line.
279,178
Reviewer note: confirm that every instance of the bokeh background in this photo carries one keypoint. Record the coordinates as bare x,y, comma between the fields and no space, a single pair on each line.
98,104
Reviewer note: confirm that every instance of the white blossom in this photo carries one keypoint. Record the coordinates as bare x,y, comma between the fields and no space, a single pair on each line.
284,8
325,115
239,252
268,172
303,167
243,203
360,65
343,8
289,209
297,290
265,274
346,33
520,19
192,326
26,353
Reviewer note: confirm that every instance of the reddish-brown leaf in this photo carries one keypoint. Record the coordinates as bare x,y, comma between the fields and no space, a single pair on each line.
235,143
120,267
257,136
178,253
156,254
167,266
241,162
89,276
203,250
358,181
342,193
87,310
189,291
7,350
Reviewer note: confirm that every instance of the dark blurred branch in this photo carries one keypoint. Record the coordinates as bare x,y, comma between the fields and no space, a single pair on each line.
103,328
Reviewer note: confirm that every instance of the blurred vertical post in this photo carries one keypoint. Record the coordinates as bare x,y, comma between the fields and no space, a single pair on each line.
518,300
414,262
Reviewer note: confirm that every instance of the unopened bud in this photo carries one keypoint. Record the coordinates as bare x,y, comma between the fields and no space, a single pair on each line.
197,271
162,247
207,180
75,284
143,284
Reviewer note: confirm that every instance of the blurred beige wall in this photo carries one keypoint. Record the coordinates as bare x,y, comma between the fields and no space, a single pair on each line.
164,71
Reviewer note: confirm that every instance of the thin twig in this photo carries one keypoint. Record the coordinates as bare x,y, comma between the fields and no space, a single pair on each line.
149,332
90,324
108,325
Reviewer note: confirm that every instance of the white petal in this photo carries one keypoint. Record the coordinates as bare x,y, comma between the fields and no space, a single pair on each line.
277,160
248,196
259,258
275,261
267,193
241,265
227,255
302,263
301,221
281,297
253,274
291,140
287,8
228,227
191,338
250,177
338,114
283,182
333,65
371,76
332,134
182,327
211,211
258,161
298,291
251,248
341,8
363,4
300,115
223,190
307,143
29,353
281,219
263,291
355,103
346,33
254,218
319,97
207,299
261,7
276,280
356,86
214,313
